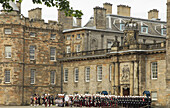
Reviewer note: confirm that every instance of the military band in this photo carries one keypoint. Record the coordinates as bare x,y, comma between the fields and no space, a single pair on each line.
88,100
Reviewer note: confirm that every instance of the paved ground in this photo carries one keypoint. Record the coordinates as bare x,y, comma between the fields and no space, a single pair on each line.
36,107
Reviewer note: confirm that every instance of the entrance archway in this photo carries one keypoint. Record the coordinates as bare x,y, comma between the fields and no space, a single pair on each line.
126,91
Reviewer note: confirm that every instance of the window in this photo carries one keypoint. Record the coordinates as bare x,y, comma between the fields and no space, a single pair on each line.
76,75
32,52
109,44
8,31
154,95
87,74
65,75
99,73
32,34
7,51
68,37
78,48
122,27
110,72
32,76
52,77
163,31
144,29
52,53
78,36
7,76
154,70
53,36
68,50
86,92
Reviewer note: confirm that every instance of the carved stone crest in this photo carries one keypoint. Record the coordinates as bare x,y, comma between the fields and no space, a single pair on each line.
125,73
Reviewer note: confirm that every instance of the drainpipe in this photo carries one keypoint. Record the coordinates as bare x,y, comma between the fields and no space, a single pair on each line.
23,68
61,78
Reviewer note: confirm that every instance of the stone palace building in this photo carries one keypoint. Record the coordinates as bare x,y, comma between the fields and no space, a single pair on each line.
119,54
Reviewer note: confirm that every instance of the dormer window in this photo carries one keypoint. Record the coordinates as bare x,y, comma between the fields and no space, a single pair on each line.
163,31
122,27
144,29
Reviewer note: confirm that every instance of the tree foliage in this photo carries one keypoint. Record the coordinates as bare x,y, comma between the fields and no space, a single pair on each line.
63,5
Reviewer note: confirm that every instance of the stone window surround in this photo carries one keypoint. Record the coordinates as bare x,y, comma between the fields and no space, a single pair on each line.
68,37
110,40
53,36
155,70
122,26
78,48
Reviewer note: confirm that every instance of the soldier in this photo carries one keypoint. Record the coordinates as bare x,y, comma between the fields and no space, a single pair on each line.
52,100
32,100
46,100
38,100
35,100
43,99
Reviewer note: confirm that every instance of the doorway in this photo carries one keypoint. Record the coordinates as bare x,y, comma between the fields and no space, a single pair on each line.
126,91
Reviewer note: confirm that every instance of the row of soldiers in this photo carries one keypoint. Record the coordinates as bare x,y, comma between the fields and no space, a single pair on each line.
91,100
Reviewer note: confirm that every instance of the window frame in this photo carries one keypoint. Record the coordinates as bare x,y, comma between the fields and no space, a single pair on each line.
78,48
65,77
78,37
110,72
32,70
76,74
68,51
162,31
53,36
152,70
32,33
86,75
154,98
7,53
51,55
6,32
52,78
143,27
122,26
30,53
108,44
7,78
68,37
99,75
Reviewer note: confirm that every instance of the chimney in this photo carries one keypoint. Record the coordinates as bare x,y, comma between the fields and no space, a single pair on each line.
153,14
100,18
19,6
66,21
123,10
108,8
78,21
35,13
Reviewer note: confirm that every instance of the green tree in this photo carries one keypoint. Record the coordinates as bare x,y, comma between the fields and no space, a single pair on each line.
63,5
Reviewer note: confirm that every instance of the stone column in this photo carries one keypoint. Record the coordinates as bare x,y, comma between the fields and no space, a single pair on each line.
132,80
136,79
113,78
117,78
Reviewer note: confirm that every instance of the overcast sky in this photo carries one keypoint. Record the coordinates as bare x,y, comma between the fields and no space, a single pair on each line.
139,8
